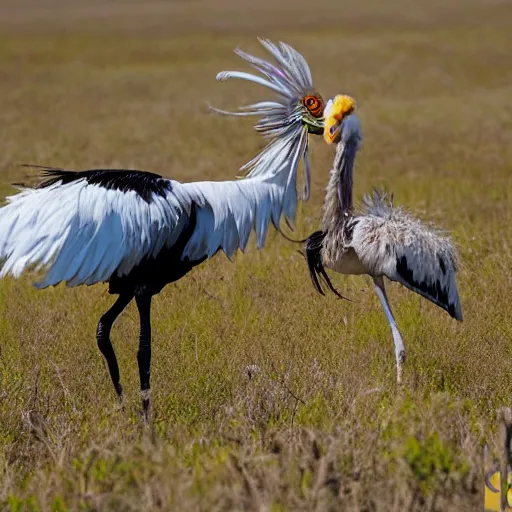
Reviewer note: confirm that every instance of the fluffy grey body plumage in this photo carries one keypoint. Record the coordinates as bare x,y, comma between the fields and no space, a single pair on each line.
383,233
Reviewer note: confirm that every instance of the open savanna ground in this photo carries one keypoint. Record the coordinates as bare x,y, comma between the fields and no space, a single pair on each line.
266,396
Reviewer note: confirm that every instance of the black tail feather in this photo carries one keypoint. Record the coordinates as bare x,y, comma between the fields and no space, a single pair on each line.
52,174
316,269
314,258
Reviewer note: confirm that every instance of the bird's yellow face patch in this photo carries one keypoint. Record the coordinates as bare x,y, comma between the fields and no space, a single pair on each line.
334,112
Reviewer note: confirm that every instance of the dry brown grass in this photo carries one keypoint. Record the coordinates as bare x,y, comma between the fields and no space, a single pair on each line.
320,426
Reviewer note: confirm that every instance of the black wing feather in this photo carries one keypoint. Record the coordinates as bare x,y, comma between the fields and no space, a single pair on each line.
432,291
145,184
316,268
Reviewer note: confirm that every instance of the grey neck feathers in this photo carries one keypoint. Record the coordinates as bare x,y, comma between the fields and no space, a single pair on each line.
338,198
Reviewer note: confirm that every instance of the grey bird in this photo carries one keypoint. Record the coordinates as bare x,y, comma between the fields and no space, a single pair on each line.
380,240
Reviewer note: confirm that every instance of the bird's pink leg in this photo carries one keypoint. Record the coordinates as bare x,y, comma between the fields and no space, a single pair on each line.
399,344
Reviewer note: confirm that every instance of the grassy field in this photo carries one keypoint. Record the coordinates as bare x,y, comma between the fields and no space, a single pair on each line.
266,395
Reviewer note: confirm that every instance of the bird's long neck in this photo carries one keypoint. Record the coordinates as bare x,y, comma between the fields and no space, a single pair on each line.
338,197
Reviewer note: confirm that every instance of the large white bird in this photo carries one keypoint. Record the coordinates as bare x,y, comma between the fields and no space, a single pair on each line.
139,231
380,240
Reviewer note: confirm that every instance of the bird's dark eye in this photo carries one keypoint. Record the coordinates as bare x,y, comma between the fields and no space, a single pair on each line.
314,104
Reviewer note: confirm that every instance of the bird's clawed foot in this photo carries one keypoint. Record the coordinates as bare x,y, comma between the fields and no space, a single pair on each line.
400,360
119,396
145,405
119,392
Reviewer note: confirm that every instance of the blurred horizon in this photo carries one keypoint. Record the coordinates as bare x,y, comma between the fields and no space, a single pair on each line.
247,17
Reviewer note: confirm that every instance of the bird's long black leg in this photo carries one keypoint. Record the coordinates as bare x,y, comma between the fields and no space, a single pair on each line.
103,338
144,353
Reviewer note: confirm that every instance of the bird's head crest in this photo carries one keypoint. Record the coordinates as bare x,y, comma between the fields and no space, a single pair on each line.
286,120
334,113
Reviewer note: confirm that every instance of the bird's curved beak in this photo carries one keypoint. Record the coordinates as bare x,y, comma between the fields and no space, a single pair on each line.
332,130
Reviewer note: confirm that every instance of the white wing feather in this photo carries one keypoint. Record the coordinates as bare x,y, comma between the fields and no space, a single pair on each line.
83,233
229,211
